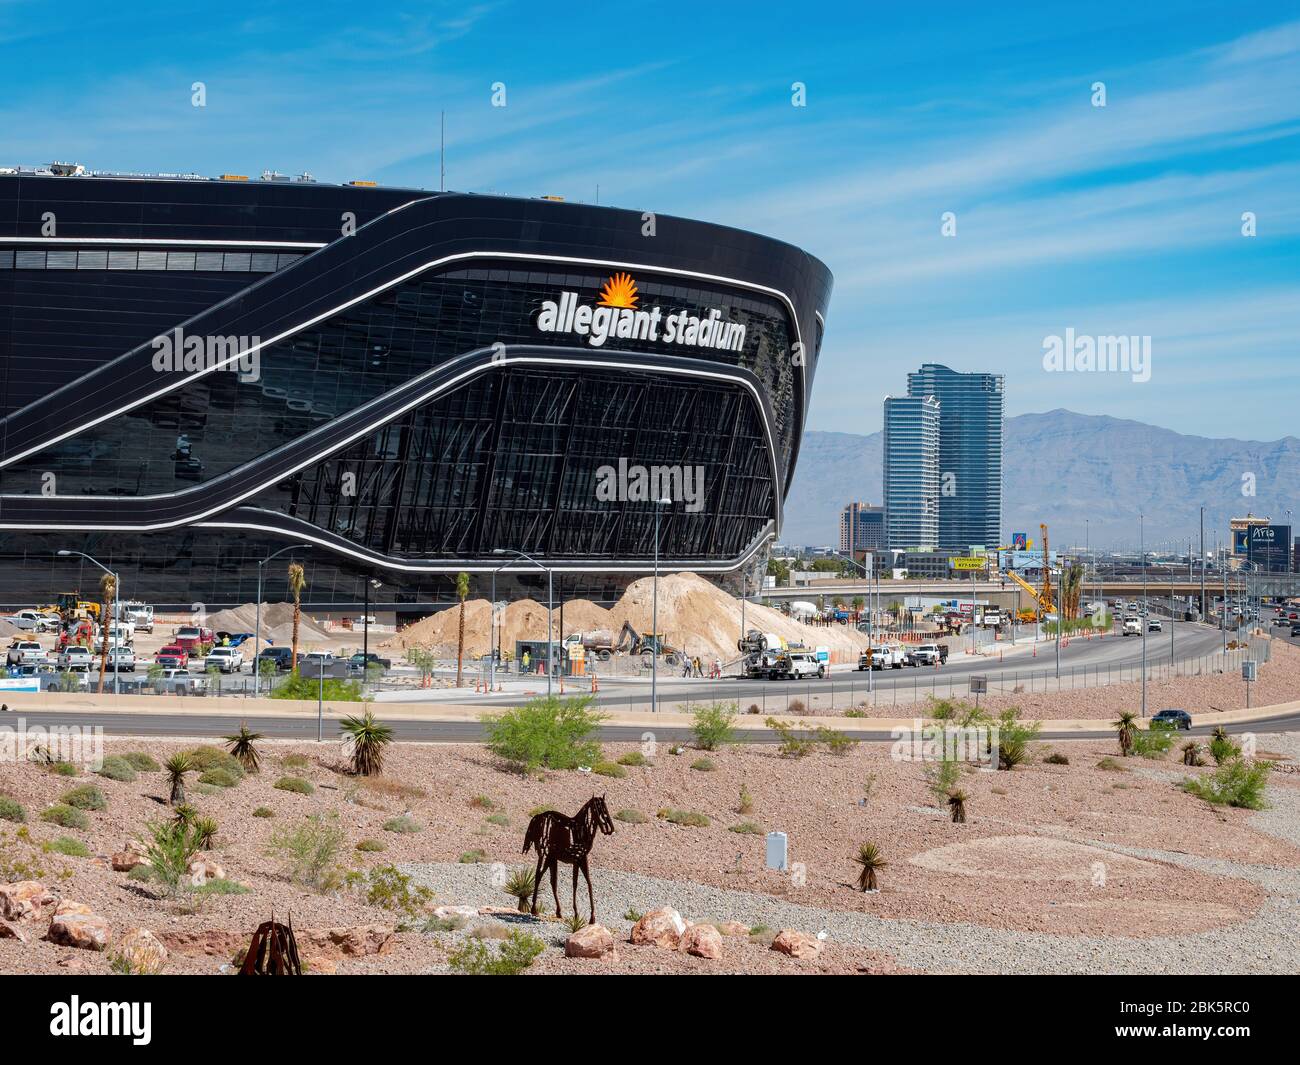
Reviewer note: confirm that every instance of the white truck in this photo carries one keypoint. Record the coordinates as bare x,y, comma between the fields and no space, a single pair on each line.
226,659
1132,626
24,651
139,614
75,657
795,665
33,621
886,656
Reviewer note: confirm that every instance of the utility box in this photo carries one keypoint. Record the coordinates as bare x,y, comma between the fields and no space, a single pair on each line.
777,851
1248,668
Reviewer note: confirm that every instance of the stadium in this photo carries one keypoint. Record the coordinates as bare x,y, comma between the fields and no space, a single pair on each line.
199,372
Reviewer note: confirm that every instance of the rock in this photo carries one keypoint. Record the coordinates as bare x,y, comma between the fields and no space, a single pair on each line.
11,930
662,927
733,928
143,951
76,925
796,944
352,942
203,869
593,941
129,857
212,942
26,900
703,940
323,967
445,912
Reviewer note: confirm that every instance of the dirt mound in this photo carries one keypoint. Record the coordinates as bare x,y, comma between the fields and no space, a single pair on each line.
524,619
7,629
275,616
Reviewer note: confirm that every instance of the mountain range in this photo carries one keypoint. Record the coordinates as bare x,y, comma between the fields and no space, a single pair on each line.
1088,477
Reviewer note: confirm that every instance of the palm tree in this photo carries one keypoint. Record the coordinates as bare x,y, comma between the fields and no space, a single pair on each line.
1125,727
957,802
462,591
177,766
241,747
368,738
297,582
107,589
871,861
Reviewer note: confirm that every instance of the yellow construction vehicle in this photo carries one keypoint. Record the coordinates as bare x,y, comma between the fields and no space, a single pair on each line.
1042,596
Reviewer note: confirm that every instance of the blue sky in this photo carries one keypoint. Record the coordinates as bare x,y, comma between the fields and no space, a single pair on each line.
1117,220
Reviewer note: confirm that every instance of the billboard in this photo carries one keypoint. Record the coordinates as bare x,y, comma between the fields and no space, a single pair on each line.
1269,547
1020,541
1239,541
964,562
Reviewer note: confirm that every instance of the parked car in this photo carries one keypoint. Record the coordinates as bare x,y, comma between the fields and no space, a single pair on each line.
180,682
1295,630
74,657
1177,718
358,662
281,656
21,651
795,665
173,656
226,659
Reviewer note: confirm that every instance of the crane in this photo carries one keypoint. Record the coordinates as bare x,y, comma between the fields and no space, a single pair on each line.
1042,596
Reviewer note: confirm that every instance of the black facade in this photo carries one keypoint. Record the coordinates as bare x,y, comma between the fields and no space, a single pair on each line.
194,374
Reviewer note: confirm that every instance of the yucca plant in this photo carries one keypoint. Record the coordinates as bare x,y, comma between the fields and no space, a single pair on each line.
184,814
576,922
241,748
1192,753
176,767
1125,726
957,803
368,738
522,884
869,858
204,830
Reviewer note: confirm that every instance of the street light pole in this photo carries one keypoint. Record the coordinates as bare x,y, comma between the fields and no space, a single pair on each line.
257,627
1203,610
1145,621
117,609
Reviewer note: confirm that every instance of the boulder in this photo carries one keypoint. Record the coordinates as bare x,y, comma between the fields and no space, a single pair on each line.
212,942
203,869
797,944
351,942
593,941
733,928
703,940
76,925
445,912
129,857
26,900
11,930
661,927
142,951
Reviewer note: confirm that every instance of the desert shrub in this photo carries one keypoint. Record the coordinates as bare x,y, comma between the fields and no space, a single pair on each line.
1238,782
368,739
309,851
836,742
500,820
635,758
295,784
1110,765
633,915
142,762
796,706
172,845
263,811
1154,742
117,768
704,765
205,831
753,709
141,873
545,733
473,857
73,848
1223,750
1057,758
521,885
390,889
402,825
482,802
85,797
941,777
746,804
609,769
686,818
746,828
219,886
1014,737
63,769
371,846
218,777
544,809
711,725
66,817
12,810
792,745
296,686
296,762
393,789
516,953
631,817
207,757
444,924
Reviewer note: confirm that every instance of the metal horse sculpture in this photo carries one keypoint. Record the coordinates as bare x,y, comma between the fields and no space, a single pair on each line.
567,839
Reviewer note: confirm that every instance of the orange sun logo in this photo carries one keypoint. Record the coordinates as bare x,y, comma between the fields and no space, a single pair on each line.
619,291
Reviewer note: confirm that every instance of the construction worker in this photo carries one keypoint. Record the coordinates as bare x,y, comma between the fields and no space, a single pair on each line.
527,658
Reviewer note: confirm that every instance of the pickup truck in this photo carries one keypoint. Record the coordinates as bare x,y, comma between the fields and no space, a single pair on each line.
33,621
173,656
358,662
75,657
882,658
795,665
193,637
180,682
21,651
226,659
929,654
282,657
121,659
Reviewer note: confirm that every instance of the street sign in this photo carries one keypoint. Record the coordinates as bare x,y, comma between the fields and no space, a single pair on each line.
980,685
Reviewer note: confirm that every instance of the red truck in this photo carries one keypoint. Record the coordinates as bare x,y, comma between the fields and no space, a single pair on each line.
194,639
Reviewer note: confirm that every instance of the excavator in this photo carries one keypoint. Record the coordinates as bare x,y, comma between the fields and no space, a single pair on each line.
647,644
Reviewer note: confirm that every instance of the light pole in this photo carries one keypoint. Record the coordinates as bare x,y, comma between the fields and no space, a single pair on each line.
1203,610
550,606
654,613
1145,620
257,627
365,622
117,600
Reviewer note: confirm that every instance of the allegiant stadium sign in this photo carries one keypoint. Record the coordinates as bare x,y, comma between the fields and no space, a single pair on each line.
616,316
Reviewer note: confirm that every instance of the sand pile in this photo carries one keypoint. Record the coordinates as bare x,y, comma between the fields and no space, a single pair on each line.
701,619
275,616
521,620
7,629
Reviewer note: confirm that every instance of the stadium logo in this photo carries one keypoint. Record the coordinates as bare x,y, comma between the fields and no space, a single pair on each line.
618,316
